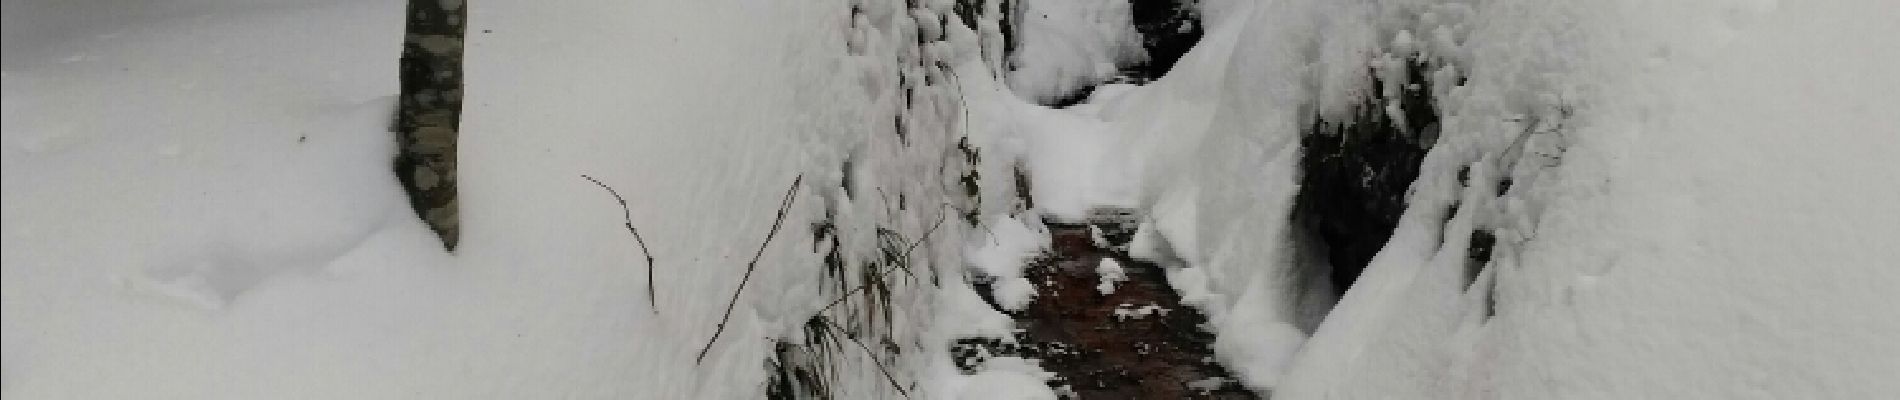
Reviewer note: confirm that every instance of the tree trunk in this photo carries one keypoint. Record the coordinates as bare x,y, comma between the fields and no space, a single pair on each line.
430,113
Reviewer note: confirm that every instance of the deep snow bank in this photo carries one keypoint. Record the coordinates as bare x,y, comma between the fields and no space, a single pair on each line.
1066,46
1676,207
1687,215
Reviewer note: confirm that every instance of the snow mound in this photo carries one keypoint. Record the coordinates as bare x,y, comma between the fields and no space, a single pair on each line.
1066,45
1009,247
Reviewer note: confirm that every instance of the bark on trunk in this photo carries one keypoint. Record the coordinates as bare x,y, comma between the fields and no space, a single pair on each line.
431,111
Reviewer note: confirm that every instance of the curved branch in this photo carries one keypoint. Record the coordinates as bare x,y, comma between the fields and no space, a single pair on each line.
652,299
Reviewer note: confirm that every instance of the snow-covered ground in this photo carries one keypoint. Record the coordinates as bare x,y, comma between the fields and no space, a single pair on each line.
197,201
197,205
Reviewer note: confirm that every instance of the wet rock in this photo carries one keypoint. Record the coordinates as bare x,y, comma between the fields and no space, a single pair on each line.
1356,171
1169,28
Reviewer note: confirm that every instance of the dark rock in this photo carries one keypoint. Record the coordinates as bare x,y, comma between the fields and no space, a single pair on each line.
1478,253
1169,28
1356,172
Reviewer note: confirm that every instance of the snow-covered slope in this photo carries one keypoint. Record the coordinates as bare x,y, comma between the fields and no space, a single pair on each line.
1687,203
1066,46
1710,220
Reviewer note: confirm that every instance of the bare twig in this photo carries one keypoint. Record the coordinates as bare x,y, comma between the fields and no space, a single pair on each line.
873,355
1534,125
783,206
960,97
886,197
894,238
652,298
920,240
987,232
907,252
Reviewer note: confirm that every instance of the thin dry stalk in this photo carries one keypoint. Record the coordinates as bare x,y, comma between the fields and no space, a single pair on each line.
627,214
783,206
907,252
874,361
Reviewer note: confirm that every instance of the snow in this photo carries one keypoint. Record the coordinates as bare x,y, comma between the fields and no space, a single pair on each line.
1065,155
149,251
1111,273
1209,384
1211,156
1011,244
1672,249
1187,151
1065,46
1129,311
1695,185
1687,242
197,202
